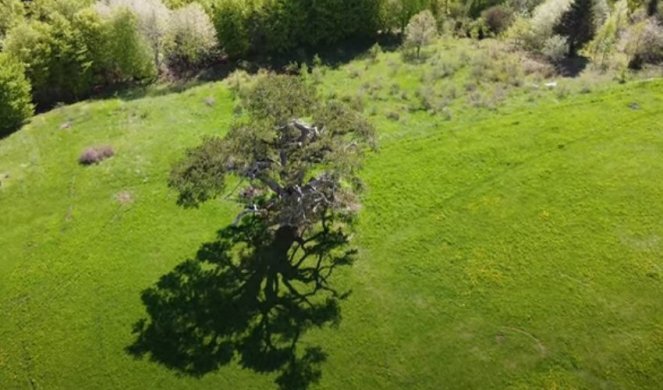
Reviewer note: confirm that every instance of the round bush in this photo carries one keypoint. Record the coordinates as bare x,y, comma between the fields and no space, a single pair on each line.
498,18
15,104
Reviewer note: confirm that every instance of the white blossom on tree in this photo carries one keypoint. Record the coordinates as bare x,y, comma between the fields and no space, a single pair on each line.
153,22
191,34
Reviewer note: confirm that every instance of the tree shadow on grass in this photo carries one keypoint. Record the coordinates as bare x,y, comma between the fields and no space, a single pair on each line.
249,296
572,66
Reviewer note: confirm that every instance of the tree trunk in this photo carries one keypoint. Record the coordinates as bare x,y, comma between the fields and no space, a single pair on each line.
284,237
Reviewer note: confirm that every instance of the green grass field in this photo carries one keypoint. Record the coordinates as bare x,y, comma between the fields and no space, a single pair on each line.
515,246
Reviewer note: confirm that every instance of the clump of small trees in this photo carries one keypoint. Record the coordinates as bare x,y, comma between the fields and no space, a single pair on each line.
69,48
627,32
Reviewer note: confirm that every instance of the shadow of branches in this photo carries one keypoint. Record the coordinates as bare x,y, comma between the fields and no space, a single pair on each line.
248,296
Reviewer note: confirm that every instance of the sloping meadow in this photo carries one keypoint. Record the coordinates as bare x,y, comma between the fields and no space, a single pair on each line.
508,246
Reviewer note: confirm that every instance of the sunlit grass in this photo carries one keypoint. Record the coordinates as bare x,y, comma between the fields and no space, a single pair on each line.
512,246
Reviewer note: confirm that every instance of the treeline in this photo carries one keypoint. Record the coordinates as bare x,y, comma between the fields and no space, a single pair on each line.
65,50
68,48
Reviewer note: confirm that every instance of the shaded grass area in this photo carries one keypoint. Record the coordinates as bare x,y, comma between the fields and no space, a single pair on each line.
509,247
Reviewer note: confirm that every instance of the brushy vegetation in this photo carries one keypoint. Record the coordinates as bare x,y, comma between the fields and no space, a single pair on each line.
95,155
509,234
74,49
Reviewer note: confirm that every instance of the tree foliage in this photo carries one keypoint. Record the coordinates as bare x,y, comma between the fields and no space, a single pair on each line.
574,20
421,31
55,57
398,13
192,35
15,105
299,157
556,48
604,44
577,24
153,22
119,53
643,43
11,13
497,18
231,20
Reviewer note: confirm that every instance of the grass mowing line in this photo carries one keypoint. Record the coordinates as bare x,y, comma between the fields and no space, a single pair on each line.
423,132
57,293
539,345
523,164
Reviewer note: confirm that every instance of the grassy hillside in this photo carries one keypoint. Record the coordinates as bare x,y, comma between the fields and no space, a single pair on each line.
509,245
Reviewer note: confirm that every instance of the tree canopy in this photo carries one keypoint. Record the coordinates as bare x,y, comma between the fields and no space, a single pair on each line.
295,155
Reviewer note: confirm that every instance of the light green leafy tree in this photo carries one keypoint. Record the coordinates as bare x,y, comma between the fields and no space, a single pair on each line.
15,99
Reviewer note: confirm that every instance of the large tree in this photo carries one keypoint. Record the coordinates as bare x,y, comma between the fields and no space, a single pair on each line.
577,24
292,161
296,157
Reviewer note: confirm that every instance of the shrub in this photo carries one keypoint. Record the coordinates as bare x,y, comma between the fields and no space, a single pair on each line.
95,155
394,89
481,65
555,48
239,82
538,68
498,18
546,17
356,102
446,113
15,105
393,116
374,53
449,92
394,67
563,91
477,29
192,35
209,101
524,7
643,43
600,13
605,41
533,33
